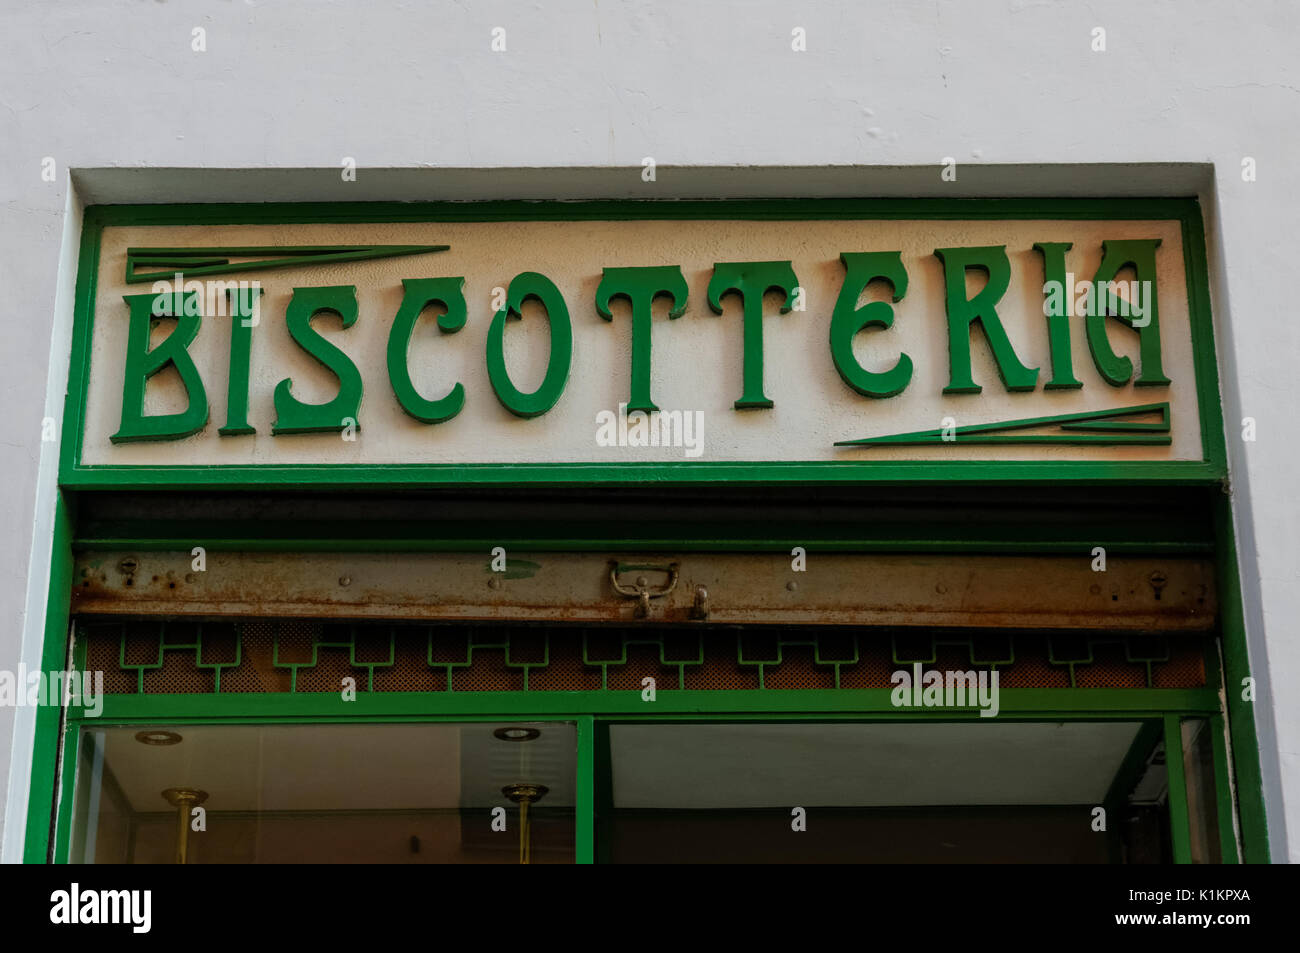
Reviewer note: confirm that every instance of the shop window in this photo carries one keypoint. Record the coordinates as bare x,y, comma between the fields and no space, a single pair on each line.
883,792
326,793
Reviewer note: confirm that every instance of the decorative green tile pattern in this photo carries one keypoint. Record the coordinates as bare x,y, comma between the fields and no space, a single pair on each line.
489,657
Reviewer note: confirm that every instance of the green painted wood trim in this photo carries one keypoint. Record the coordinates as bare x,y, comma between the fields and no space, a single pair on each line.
1212,468
1016,703
604,801
68,774
1117,536
812,542
1179,822
685,472
1229,850
1241,714
58,852
1204,356
789,209
54,657
71,751
74,407
585,793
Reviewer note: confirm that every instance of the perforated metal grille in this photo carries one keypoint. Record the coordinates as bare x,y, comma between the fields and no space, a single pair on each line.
152,656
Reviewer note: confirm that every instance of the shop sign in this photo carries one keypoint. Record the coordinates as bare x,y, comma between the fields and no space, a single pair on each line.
644,346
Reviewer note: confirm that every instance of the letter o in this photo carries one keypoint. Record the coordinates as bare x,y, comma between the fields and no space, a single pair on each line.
530,284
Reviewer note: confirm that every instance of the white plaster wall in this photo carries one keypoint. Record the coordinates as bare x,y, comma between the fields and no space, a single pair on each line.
114,93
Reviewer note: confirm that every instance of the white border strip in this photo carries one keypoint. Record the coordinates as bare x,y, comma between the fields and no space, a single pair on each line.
23,743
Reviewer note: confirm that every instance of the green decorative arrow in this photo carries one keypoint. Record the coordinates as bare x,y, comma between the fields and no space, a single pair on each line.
193,262
1108,427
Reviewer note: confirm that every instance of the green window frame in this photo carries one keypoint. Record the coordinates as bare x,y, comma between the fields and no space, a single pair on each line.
593,767
1160,711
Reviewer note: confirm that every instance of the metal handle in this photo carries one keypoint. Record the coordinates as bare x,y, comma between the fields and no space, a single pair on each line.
641,590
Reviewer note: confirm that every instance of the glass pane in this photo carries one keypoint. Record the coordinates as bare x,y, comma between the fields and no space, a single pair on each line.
326,793
885,792
1202,795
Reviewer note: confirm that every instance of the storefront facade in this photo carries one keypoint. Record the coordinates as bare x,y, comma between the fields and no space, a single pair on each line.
965,600
356,564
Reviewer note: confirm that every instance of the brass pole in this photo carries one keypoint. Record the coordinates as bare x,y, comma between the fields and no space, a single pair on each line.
523,795
525,836
184,800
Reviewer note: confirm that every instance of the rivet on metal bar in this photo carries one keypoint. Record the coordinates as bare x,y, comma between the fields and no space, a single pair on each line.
700,610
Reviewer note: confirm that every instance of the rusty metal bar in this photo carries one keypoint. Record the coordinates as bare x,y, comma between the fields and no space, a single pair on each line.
1041,592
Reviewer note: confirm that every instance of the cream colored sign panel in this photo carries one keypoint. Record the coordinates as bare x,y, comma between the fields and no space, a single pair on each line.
696,362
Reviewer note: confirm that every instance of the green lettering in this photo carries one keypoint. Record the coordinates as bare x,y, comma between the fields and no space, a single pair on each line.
293,416
640,286
1057,309
963,313
530,284
243,305
860,269
751,280
419,294
1116,256
143,363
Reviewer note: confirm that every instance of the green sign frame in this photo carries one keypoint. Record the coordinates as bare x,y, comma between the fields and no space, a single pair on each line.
1211,468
